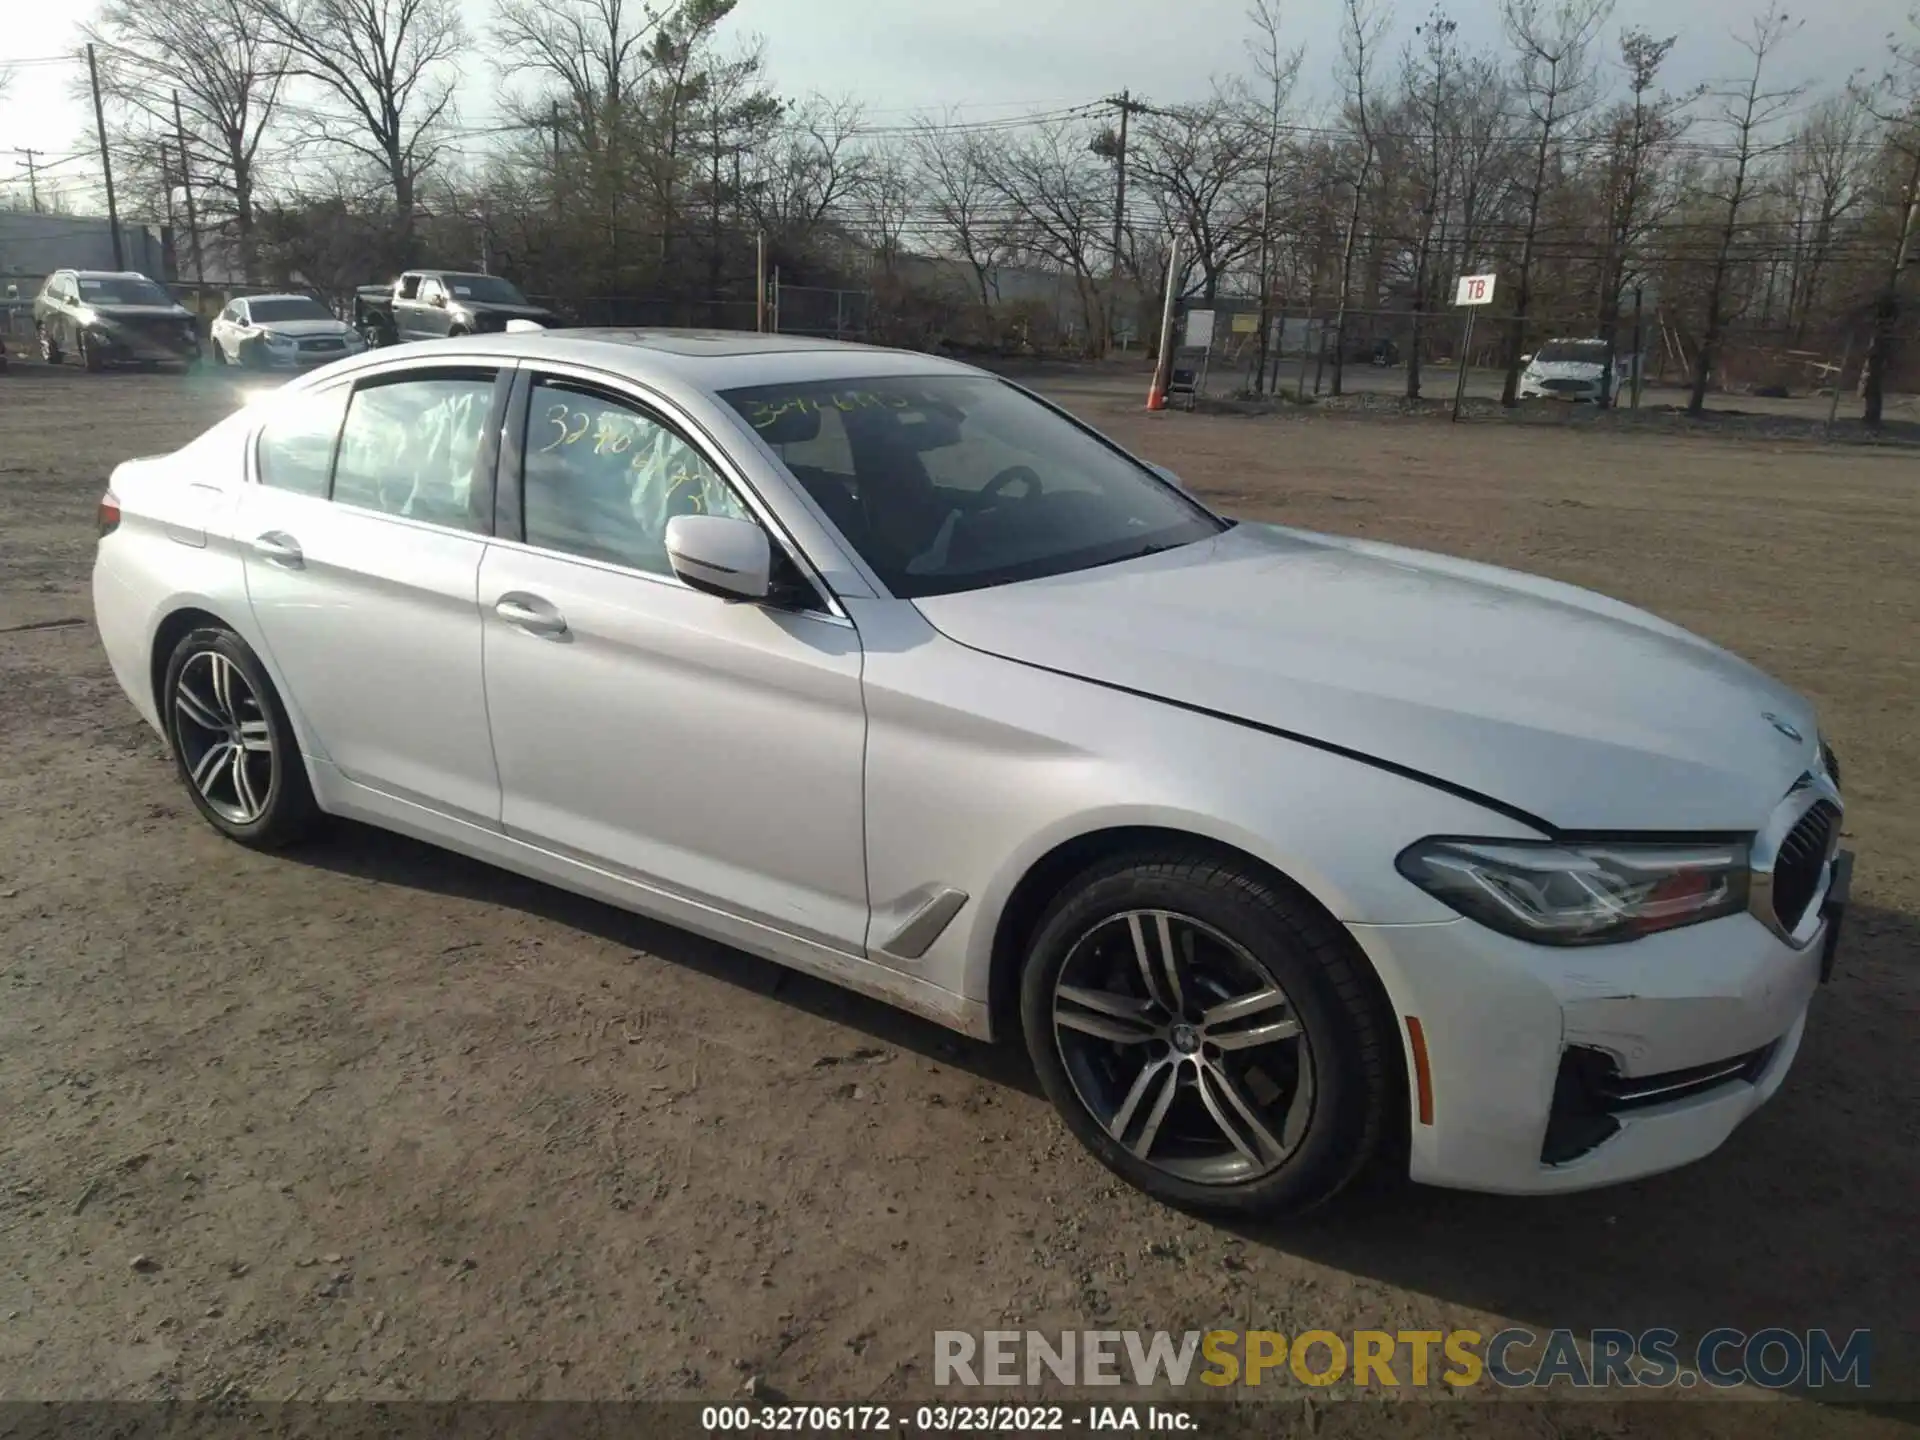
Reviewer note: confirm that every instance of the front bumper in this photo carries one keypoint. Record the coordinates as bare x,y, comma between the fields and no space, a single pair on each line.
127,346
1586,395
1566,1069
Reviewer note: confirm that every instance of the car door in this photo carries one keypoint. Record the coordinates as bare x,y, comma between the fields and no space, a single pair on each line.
707,749
230,330
61,295
362,556
407,308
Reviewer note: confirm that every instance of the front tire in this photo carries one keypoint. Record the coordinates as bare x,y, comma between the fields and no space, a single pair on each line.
89,350
233,746
50,347
1210,1036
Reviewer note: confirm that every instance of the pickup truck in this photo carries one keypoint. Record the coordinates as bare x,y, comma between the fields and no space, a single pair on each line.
430,304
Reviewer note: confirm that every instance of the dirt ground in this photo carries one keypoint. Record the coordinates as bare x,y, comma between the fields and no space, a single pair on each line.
368,1120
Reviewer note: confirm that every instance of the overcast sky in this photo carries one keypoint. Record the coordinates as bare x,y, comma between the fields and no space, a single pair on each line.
1002,56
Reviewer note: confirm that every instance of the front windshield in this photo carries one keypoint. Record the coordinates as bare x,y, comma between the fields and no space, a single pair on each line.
487,289
293,308
1573,352
121,290
955,482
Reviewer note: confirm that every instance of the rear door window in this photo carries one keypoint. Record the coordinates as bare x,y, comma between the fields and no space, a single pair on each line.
411,446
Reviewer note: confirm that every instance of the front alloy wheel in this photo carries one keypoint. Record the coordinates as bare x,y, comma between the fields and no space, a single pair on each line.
232,742
1209,1033
1183,1047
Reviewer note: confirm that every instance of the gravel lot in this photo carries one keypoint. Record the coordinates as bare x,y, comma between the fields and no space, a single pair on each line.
369,1120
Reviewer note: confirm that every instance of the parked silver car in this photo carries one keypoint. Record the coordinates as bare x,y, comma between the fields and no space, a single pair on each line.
1283,852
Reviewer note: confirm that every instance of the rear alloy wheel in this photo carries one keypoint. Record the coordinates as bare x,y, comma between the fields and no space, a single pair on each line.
1208,1035
233,744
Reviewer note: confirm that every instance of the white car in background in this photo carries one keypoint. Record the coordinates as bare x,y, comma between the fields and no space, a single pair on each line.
1280,851
282,332
1573,370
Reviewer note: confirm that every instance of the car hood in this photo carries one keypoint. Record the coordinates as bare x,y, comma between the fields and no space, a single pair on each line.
300,329
1566,370
506,312
1551,700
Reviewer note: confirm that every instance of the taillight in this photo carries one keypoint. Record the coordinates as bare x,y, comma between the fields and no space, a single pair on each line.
109,514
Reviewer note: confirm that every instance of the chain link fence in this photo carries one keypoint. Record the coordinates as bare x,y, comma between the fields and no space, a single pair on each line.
1397,354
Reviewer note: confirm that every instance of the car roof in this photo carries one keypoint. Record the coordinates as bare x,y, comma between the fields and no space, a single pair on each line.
278,295
108,275
705,359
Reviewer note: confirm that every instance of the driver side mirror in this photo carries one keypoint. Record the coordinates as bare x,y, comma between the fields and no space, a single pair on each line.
721,555
438,300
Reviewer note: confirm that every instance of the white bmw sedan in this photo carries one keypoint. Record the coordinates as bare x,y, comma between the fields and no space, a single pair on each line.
1282,853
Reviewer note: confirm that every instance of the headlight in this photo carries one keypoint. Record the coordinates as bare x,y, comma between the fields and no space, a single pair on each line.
1580,894
86,315
278,342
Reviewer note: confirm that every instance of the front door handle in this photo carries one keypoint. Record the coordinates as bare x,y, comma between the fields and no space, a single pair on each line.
279,548
530,613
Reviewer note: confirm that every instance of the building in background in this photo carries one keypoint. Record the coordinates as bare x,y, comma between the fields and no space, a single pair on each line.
34,246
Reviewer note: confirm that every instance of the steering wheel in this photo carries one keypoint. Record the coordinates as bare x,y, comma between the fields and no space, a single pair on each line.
1022,474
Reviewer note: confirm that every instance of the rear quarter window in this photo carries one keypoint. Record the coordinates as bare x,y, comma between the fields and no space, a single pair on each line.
295,448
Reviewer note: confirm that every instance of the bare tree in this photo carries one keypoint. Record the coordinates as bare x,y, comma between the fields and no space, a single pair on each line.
1748,110
387,62
1431,80
806,170
217,59
887,194
1639,135
1359,48
966,215
1828,181
1059,202
1276,69
1551,39
1197,158
677,54
1896,105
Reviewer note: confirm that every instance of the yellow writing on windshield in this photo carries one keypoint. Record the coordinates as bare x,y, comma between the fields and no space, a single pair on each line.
763,414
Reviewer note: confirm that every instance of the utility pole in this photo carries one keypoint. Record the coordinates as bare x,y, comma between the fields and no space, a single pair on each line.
33,178
106,161
760,282
1887,312
1128,107
186,186
166,186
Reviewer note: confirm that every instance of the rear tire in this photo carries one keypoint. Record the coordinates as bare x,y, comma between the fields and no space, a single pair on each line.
233,745
1252,1077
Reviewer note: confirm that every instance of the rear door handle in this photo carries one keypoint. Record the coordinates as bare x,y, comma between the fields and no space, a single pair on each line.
530,613
279,548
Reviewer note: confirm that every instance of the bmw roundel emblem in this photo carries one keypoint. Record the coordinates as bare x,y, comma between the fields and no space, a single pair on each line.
1782,726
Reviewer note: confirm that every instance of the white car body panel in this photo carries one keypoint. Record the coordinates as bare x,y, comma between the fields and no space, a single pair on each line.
666,685
807,785
376,633
1517,688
